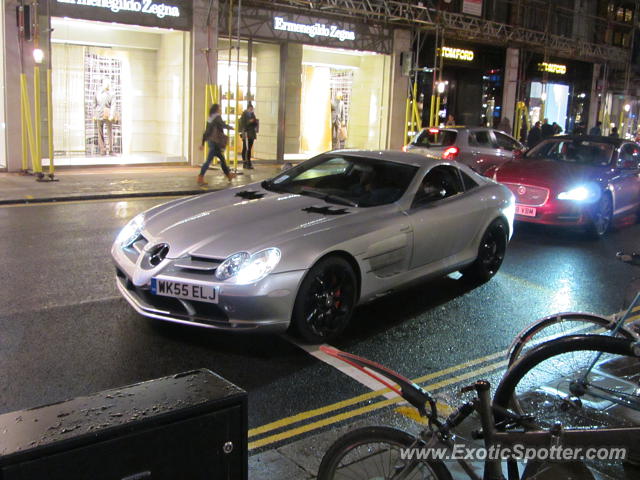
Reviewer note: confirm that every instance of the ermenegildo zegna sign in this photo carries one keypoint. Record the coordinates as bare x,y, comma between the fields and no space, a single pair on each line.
151,13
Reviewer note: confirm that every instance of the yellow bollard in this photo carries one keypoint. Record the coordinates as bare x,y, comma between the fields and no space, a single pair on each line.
37,163
50,123
236,133
415,114
432,106
26,106
437,111
23,130
406,122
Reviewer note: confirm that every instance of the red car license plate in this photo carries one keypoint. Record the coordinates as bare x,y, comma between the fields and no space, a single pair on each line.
526,211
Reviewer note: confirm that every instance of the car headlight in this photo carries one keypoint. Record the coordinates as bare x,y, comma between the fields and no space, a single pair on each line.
131,231
582,193
231,265
248,268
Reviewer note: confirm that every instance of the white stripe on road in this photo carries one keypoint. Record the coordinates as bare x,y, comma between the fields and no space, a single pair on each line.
350,371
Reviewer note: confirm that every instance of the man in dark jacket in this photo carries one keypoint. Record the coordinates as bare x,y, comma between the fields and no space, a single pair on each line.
546,129
248,131
535,135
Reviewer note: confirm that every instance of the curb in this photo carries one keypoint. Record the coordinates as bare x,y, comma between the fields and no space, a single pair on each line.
106,196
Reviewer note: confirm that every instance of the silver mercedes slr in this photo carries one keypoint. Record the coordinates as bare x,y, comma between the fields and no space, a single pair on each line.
302,249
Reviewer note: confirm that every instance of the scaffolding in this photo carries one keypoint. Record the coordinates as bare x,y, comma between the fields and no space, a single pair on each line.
423,16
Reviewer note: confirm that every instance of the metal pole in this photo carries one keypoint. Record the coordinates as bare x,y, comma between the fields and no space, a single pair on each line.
49,94
23,112
237,106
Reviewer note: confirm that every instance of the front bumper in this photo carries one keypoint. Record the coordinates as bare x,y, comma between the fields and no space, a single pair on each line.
559,213
265,306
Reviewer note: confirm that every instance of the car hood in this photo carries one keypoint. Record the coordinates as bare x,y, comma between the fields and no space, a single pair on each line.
218,224
547,173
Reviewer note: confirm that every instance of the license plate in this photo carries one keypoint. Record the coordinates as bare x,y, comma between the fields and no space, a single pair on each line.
189,291
526,211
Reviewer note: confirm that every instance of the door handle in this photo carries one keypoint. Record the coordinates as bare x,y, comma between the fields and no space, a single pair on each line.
406,229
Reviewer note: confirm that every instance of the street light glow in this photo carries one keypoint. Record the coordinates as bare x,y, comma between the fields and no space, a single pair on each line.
38,55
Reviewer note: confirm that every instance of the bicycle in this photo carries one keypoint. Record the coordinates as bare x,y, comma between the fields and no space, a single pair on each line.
377,451
573,371
569,323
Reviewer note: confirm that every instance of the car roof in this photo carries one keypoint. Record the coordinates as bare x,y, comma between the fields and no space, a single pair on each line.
396,156
460,128
593,138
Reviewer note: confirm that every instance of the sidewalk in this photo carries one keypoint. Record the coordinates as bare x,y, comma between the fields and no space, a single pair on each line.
93,183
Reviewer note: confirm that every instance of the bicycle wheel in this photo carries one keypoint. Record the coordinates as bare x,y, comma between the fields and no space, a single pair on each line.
551,383
374,453
560,325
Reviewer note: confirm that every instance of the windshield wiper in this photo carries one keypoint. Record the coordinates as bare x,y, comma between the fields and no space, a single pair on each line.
327,197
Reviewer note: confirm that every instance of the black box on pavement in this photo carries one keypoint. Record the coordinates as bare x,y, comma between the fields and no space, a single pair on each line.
191,426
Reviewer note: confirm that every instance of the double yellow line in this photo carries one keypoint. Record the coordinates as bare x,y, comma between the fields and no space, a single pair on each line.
497,361
338,417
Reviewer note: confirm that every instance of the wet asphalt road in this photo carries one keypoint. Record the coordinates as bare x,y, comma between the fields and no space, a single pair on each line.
65,332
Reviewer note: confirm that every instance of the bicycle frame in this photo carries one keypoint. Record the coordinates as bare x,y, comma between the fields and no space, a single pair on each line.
492,433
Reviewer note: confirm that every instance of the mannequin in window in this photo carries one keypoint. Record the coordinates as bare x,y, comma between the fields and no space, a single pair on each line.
103,116
338,122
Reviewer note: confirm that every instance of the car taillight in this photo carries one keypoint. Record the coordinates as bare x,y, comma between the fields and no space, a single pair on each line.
450,153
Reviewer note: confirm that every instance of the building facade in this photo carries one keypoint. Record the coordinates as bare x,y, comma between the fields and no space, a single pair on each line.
127,80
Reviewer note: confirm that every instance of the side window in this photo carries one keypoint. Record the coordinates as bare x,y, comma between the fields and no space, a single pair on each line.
480,138
467,182
505,142
629,156
440,182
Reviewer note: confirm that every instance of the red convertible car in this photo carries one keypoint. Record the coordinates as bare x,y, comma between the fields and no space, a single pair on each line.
579,181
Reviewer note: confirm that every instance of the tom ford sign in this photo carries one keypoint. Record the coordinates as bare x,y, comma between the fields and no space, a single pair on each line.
169,14
315,30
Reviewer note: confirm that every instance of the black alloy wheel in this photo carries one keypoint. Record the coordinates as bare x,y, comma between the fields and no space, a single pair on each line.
493,247
601,216
325,301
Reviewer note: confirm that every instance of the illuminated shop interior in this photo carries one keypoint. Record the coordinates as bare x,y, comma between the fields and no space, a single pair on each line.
317,77
145,71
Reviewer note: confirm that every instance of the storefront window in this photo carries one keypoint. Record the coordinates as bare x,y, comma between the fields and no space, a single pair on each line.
334,98
263,71
553,98
134,102
343,100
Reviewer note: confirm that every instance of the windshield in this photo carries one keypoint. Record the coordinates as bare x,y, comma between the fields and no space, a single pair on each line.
434,137
345,180
574,150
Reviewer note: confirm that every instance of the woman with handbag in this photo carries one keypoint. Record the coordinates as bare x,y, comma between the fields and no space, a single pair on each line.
217,141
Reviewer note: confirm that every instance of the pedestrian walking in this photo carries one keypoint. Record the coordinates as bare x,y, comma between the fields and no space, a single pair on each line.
248,132
614,133
596,130
217,141
557,129
546,130
535,135
451,121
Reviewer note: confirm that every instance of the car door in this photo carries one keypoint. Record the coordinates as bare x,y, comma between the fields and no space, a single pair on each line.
443,216
482,148
626,180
